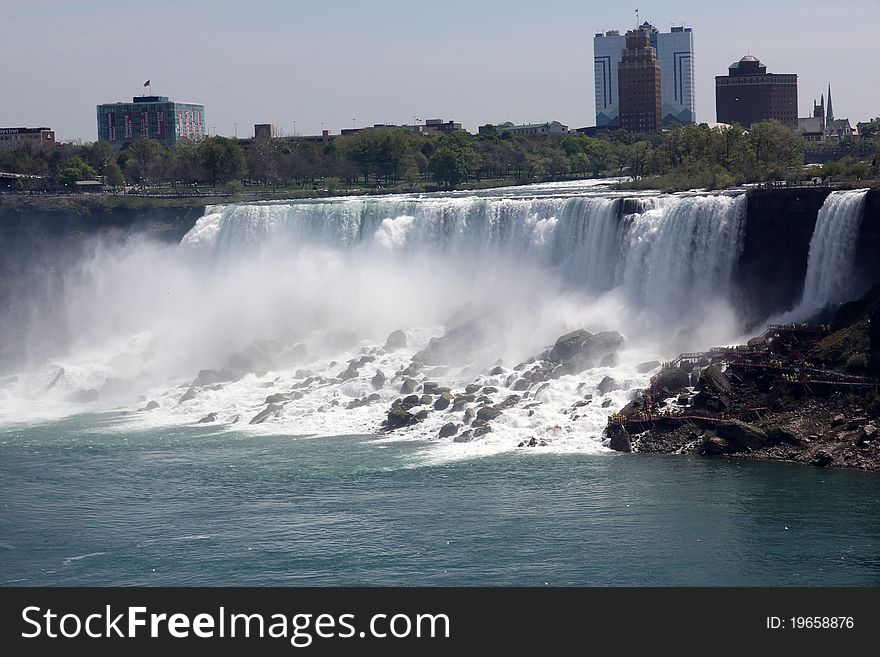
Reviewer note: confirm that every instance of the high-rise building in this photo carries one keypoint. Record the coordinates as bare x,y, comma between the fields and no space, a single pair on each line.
607,50
639,80
675,51
749,94
151,117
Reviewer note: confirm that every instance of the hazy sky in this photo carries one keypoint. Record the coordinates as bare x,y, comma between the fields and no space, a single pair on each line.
270,61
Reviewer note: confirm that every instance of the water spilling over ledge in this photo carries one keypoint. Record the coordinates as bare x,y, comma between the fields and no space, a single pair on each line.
286,307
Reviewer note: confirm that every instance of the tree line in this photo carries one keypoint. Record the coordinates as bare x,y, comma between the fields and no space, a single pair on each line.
682,157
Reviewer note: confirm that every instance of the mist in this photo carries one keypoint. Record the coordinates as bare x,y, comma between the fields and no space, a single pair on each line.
256,293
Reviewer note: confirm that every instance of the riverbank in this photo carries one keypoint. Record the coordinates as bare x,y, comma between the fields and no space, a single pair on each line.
803,393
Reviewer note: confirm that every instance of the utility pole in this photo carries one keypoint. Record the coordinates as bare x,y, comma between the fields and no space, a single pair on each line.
294,128
352,124
235,127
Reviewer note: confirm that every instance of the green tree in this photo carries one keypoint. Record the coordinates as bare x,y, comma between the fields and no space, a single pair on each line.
454,160
75,169
99,155
871,130
113,174
776,148
261,160
448,166
223,159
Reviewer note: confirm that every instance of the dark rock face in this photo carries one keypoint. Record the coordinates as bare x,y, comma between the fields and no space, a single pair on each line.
151,406
606,385
673,379
398,418
742,435
396,340
411,370
443,401
448,429
509,402
773,263
714,390
189,394
411,400
350,373
647,366
481,431
210,377
579,350
270,411
822,459
425,400
733,436
378,381
276,398
487,413
463,437
409,386
41,242
210,417
456,341
430,388
366,401
783,435
620,442
715,446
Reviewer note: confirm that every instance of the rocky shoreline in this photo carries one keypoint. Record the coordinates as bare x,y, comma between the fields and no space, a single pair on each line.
808,393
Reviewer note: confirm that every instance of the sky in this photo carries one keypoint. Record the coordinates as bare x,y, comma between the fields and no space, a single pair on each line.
331,63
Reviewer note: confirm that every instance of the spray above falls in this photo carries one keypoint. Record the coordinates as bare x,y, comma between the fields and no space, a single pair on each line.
297,300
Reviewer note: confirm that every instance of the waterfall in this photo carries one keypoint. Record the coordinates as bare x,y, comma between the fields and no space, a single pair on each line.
668,254
832,250
681,251
278,296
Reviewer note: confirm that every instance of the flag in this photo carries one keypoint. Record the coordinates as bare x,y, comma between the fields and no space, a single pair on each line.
147,83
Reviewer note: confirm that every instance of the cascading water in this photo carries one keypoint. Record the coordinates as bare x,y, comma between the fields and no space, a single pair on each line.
832,250
274,298
680,253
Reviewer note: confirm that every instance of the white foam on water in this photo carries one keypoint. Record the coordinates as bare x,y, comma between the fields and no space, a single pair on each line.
328,280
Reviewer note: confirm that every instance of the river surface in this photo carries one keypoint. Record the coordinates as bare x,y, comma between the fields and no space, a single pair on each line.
84,503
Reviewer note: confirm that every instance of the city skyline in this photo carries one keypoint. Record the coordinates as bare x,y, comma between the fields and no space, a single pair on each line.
278,62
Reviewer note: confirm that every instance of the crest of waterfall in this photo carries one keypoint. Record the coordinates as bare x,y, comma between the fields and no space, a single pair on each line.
680,252
667,253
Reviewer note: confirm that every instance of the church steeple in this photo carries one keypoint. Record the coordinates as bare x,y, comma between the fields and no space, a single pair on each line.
829,114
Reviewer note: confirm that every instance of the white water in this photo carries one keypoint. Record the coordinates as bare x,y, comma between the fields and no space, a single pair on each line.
829,277
337,276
